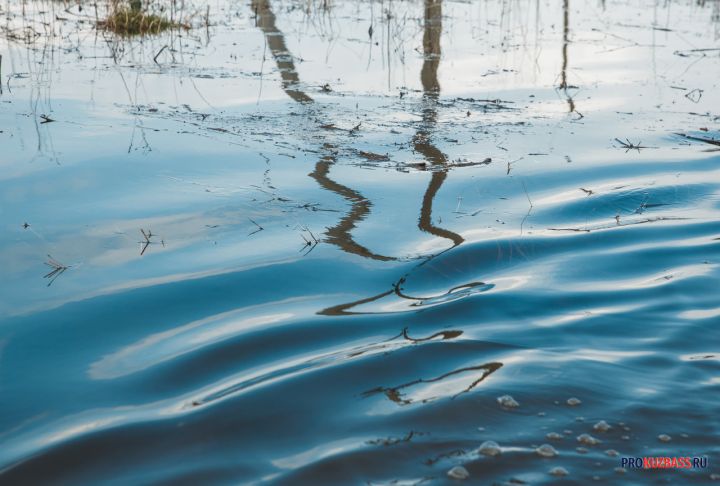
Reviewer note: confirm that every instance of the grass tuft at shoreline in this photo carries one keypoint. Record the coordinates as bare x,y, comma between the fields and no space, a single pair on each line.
127,21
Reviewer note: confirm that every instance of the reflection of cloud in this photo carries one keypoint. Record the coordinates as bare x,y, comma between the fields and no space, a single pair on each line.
318,453
163,346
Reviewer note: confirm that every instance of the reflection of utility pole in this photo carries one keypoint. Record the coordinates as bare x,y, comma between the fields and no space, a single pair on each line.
421,142
431,46
566,32
265,20
340,234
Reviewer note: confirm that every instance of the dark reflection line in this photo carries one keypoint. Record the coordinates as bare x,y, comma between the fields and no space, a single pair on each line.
394,394
339,234
450,334
400,293
432,31
343,309
566,32
265,20
421,141
563,71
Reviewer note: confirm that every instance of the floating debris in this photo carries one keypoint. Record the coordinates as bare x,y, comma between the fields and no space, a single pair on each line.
558,471
147,240
628,145
664,438
554,436
57,269
392,440
588,439
490,448
573,402
601,426
458,472
546,450
507,401
259,228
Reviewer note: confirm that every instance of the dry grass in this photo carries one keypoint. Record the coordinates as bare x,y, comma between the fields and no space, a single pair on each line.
127,21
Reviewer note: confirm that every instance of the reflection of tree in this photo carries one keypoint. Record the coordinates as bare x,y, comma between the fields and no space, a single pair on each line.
265,19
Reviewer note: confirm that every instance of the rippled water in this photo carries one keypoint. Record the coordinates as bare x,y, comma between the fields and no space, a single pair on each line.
311,245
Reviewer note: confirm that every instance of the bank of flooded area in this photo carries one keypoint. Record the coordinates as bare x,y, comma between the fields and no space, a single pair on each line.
409,242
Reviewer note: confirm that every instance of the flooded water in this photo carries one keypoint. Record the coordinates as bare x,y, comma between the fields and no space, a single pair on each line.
387,242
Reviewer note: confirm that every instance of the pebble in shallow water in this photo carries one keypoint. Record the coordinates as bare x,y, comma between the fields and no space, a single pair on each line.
554,436
612,453
573,402
546,450
458,472
581,450
490,448
601,426
587,439
558,471
507,401
664,438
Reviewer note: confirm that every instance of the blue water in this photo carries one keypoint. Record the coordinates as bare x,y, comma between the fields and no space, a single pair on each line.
293,252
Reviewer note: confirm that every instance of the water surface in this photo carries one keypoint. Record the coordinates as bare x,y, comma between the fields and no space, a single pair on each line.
313,243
